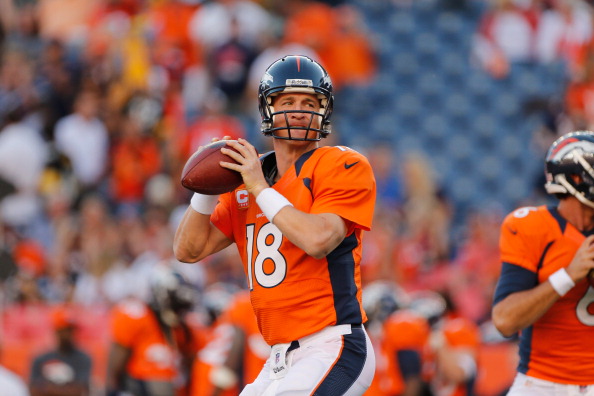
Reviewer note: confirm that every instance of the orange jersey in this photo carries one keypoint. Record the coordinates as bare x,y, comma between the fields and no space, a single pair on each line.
292,293
135,327
402,331
534,243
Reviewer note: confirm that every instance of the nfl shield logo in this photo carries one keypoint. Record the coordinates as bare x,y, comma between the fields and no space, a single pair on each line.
277,358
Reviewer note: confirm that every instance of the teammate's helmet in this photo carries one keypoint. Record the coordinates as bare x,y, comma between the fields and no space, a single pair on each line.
172,295
381,298
572,155
428,304
217,297
295,73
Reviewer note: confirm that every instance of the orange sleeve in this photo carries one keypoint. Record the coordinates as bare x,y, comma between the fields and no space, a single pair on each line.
516,244
348,192
221,217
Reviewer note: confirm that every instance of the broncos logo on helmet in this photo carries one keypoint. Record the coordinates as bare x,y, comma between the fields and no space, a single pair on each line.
295,73
569,156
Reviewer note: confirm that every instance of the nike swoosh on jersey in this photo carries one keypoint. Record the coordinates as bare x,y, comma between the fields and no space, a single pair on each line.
347,166
512,230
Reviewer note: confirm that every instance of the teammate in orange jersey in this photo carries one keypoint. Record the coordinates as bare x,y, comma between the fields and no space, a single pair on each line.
152,344
399,337
298,222
543,293
234,356
450,355
454,346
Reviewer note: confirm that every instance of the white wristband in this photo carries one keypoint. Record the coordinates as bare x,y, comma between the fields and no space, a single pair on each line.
204,204
271,202
561,282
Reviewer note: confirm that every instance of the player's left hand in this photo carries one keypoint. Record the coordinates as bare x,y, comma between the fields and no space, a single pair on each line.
249,165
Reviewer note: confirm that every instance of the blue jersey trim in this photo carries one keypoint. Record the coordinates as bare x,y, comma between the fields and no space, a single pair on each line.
514,278
557,216
525,349
341,267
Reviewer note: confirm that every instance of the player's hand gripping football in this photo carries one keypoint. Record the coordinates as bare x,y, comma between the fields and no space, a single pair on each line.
249,165
583,260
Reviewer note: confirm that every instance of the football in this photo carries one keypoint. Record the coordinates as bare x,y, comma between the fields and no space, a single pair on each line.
203,174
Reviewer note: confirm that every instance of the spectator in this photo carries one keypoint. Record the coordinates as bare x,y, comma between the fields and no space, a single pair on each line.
96,248
562,31
66,370
83,139
23,156
506,35
579,96
66,20
229,64
135,158
18,86
351,57
212,24
59,76
423,244
213,122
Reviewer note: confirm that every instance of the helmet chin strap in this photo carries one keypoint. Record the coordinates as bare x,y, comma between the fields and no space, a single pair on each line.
570,189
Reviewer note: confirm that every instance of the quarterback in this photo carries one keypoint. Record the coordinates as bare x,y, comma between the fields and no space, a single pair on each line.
547,253
298,222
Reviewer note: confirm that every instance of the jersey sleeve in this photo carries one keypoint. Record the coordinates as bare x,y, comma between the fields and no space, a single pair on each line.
518,243
347,188
221,217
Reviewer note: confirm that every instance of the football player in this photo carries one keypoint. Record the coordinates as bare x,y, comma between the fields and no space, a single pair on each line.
543,293
153,345
235,353
399,337
451,348
298,222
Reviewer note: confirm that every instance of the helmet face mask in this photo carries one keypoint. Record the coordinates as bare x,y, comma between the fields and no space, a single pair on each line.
298,74
569,167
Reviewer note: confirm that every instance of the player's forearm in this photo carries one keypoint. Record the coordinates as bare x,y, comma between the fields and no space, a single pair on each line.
521,309
193,239
316,234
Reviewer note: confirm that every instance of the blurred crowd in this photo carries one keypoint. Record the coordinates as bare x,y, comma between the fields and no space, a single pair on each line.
102,101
